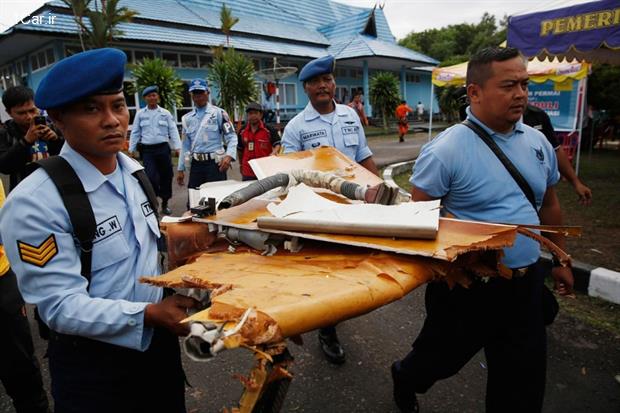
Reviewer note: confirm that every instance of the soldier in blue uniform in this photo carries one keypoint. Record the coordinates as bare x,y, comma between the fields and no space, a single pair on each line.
153,133
203,129
505,317
113,344
325,123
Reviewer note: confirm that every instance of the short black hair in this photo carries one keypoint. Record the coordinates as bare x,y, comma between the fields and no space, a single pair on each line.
479,66
16,96
403,101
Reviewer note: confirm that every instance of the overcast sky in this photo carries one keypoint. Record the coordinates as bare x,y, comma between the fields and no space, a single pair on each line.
403,16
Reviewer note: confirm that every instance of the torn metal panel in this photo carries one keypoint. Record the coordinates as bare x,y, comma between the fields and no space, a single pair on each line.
304,210
321,285
454,237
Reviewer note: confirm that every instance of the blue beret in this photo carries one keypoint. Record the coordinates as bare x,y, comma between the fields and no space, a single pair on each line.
320,66
149,89
93,72
198,84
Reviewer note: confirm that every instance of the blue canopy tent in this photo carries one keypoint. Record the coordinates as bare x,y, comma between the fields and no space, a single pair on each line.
570,29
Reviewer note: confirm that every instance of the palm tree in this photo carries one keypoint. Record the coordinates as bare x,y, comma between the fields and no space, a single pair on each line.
233,73
156,72
228,21
384,94
100,29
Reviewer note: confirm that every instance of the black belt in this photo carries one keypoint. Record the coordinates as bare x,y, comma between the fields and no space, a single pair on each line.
520,272
82,342
154,146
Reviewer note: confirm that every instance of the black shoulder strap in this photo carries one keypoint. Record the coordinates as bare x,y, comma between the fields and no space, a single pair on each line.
147,187
77,204
514,172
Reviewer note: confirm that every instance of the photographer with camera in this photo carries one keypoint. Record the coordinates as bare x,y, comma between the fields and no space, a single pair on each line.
27,136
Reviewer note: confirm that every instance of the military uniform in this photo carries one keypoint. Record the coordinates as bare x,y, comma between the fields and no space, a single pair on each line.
343,131
154,132
502,316
102,356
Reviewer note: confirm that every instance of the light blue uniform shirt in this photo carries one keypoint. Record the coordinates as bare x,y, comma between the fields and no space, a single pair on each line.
203,129
153,126
309,130
125,248
459,167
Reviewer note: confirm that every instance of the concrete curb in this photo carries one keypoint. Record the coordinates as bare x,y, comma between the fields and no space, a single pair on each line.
594,281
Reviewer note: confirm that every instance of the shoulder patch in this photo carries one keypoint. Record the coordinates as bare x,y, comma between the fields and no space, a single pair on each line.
38,255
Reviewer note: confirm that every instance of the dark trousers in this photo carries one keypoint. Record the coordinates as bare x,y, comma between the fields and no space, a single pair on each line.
19,368
158,165
503,317
91,376
204,171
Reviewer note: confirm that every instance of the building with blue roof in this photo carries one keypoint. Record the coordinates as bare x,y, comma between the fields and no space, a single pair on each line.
182,32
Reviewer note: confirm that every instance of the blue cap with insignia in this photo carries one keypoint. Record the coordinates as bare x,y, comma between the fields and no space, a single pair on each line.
149,89
198,84
321,66
94,72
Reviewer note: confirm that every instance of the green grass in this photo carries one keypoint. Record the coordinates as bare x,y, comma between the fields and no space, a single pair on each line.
600,242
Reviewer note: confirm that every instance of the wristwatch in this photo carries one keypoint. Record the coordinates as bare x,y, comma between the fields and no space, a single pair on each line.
555,262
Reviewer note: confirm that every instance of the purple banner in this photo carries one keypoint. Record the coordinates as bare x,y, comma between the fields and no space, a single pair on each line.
584,27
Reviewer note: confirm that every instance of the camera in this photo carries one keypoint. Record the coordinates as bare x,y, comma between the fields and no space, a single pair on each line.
40,120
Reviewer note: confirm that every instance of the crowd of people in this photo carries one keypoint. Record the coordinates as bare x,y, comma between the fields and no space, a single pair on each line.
112,340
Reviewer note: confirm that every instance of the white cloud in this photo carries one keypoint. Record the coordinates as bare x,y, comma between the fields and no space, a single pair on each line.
405,16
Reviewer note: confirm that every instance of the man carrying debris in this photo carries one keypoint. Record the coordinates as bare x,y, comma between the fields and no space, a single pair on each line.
325,123
113,341
505,317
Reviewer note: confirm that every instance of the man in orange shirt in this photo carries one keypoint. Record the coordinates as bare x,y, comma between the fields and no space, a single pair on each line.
402,111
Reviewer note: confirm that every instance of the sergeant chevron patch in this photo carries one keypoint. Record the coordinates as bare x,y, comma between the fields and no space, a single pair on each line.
38,255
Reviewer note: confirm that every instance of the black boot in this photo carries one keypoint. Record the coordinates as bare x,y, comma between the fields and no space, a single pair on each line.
164,208
330,345
404,396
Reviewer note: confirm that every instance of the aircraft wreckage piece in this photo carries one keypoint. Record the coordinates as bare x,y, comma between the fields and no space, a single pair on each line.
454,237
304,210
381,193
324,158
269,298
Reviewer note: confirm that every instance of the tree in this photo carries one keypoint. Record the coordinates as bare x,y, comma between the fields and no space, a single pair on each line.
101,27
384,95
228,21
456,43
449,100
233,73
603,87
156,72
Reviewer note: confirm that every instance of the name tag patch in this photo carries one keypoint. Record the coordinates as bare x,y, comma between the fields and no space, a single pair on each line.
314,134
349,130
107,228
146,208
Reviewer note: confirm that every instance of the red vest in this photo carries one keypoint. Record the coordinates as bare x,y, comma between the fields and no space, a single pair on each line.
255,145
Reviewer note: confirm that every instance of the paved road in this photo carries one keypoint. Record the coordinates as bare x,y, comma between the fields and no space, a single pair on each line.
582,363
